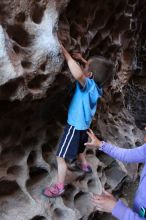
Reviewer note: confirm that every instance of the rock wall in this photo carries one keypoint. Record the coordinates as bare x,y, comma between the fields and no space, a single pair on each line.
35,89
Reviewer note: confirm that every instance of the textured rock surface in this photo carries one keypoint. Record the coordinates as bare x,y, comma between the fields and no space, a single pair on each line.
35,87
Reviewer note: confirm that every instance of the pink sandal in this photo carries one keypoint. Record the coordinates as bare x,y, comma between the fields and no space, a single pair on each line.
54,191
84,167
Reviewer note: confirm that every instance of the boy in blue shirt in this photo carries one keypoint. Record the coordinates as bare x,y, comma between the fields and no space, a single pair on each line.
80,114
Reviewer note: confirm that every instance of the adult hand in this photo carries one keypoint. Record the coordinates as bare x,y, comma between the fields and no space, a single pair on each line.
95,142
104,202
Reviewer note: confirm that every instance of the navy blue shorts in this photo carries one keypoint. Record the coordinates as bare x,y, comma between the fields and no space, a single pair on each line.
72,142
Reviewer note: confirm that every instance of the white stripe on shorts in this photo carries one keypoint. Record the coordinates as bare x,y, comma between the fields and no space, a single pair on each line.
65,141
69,143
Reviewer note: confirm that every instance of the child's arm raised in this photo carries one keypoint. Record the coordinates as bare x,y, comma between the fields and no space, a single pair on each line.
74,67
79,57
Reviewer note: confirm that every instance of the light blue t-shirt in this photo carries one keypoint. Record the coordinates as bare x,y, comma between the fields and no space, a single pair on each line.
83,104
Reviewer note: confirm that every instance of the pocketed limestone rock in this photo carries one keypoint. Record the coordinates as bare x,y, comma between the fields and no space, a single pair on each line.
35,91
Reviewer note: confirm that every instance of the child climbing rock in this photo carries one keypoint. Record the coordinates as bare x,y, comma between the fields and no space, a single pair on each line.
81,111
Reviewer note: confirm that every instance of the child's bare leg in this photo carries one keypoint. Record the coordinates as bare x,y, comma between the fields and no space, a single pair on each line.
62,169
83,164
81,158
58,188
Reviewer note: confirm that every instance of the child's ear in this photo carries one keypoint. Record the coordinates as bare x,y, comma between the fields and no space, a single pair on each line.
90,74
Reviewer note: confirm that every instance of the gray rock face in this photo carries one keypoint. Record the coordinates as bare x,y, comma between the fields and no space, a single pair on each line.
35,90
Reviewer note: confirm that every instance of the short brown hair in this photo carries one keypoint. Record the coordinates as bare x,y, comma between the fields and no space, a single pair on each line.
101,68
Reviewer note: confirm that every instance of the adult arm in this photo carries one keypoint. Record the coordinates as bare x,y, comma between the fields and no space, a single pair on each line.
75,69
107,203
122,212
136,155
